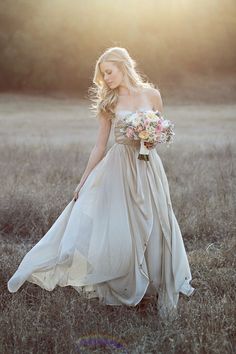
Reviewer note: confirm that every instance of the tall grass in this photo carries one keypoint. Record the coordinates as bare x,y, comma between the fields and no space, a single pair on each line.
38,181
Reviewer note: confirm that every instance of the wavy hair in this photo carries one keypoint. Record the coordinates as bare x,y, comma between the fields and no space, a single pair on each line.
104,99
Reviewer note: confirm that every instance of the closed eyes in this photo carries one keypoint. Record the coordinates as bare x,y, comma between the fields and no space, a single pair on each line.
107,73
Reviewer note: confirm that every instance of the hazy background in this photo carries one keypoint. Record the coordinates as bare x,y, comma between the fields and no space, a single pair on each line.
185,47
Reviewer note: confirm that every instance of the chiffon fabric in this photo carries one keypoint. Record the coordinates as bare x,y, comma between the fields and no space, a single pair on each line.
119,240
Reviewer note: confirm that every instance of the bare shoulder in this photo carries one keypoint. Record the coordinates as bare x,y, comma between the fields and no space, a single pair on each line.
154,96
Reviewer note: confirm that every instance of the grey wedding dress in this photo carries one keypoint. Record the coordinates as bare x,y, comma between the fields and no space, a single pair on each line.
119,240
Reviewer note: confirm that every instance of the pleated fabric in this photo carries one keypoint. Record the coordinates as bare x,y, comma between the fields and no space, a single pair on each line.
119,240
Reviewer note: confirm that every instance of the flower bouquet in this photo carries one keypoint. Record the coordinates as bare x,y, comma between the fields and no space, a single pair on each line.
148,126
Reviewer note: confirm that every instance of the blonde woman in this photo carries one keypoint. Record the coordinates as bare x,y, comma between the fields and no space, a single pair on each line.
118,239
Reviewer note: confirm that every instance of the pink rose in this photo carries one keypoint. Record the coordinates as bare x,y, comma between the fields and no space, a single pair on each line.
129,133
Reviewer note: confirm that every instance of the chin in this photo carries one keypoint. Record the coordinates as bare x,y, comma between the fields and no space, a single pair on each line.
112,86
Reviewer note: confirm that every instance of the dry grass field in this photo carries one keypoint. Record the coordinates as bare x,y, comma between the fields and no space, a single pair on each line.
44,147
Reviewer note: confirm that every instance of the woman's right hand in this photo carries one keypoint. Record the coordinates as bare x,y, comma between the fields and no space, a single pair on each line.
76,193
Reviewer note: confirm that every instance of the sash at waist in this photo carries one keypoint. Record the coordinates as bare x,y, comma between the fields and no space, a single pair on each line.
120,138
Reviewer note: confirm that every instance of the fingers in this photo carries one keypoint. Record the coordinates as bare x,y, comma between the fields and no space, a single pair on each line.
76,195
149,145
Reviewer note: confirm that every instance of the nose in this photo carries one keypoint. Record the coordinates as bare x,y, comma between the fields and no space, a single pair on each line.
106,77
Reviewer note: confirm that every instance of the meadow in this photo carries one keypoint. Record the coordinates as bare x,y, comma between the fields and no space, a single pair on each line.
44,147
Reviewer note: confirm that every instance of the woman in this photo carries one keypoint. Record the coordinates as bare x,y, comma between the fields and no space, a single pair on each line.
118,238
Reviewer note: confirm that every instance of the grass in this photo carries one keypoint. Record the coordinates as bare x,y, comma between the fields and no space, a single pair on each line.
38,178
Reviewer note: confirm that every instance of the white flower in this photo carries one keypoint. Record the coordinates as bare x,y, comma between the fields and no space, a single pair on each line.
165,123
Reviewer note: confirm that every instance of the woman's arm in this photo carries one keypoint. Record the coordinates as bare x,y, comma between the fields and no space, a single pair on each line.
98,150
156,101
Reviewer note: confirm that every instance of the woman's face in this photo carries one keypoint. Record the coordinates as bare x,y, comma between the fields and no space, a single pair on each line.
112,75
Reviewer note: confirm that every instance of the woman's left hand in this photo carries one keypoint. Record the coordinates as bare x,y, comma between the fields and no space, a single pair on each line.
150,145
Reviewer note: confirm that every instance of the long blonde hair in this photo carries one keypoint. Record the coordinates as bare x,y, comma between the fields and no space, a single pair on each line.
104,98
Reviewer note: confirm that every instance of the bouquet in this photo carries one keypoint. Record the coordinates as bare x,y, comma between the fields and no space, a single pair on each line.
148,126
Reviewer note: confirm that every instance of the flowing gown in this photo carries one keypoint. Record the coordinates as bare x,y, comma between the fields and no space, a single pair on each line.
119,240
